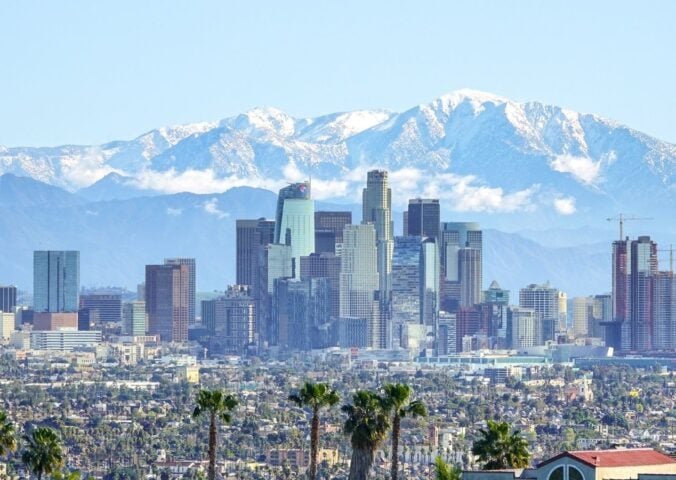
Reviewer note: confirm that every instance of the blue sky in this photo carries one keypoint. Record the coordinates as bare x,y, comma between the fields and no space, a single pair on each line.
90,72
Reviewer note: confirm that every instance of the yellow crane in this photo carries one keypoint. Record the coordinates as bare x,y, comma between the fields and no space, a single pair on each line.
621,218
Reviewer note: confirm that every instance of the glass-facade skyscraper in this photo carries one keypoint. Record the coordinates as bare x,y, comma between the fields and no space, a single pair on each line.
56,280
192,280
424,216
377,209
407,267
295,221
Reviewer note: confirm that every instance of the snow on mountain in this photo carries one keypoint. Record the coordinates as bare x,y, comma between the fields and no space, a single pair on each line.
477,152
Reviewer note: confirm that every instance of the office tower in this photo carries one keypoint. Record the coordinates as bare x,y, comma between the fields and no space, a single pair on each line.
324,265
664,311
301,313
295,221
167,301
405,307
469,271
65,340
329,230
377,209
423,219
468,323
359,280
275,261
429,277
446,334
354,332
190,263
7,324
55,320
523,328
461,288
56,280
544,299
495,294
493,321
583,316
251,236
404,230
141,292
103,308
563,312
134,318
643,269
230,321
602,313
7,298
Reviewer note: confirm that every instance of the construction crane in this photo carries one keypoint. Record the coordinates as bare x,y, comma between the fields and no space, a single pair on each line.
621,218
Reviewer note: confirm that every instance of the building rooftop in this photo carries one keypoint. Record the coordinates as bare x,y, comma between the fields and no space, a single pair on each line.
616,458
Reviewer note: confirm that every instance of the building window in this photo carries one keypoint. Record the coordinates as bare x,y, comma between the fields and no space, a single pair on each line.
556,474
574,473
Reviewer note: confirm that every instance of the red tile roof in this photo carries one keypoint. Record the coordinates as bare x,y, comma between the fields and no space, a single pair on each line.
631,457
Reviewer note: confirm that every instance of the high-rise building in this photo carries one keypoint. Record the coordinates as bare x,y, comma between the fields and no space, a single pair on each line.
424,217
7,325
275,262
602,316
324,265
468,323
301,313
134,318
329,227
251,236
523,328
583,316
192,279
446,334
295,221
664,311
103,308
359,280
7,298
429,278
456,236
230,321
544,299
639,334
167,301
56,280
405,307
377,209
495,294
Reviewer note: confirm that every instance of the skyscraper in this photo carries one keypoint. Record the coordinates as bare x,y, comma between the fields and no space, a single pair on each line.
324,265
103,308
134,318
329,230
465,284
377,209
469,271
295,222
167,301
429,277
7,298
405,307
664,311
56,280
544,299
424,216
583,316
230,321
643,269
190,263
523,328
359,280
275,262
251,236
301,313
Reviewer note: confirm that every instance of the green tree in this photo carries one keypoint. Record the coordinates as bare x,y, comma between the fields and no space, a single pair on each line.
315,396
7,435
499,448
43,453
367,424
399,404
444,471
217,405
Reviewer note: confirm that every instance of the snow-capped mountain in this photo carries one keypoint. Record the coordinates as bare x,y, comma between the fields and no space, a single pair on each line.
481,154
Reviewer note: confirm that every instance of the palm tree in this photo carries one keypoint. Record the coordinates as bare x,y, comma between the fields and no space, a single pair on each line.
398,402
444,471
499,448
43,453
367,423
218,406
7,435
316,396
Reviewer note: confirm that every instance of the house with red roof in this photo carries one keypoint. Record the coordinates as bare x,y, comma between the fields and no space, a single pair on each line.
616,464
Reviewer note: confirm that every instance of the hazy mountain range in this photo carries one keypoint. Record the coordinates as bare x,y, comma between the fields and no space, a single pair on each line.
551,174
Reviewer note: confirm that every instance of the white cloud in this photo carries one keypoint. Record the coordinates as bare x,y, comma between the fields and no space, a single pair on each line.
583,169
565,205
174,212
211,207
198,181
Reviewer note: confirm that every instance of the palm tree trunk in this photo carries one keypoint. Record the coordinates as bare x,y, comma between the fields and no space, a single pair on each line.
361,463
314,444
396,427
212,448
